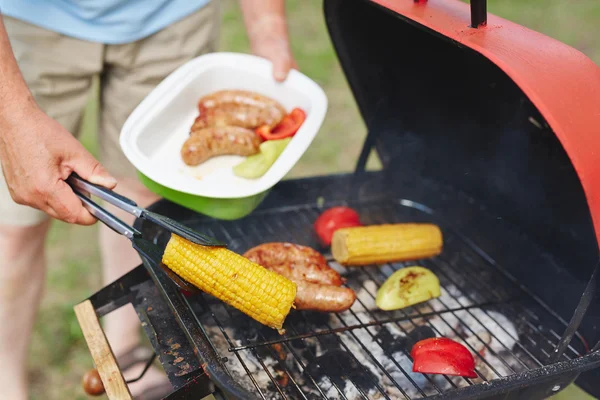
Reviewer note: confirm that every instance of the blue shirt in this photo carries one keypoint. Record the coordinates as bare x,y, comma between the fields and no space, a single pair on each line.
104,21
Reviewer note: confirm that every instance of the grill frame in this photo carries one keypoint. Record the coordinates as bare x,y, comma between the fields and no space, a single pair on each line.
535,383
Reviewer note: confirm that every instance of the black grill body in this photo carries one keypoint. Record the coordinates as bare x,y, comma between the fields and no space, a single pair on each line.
220,350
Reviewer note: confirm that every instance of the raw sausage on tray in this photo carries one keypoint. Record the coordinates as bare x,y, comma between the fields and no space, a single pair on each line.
239,108
216,141
318,285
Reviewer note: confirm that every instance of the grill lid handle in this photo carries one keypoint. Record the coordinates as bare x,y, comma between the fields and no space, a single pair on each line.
478,12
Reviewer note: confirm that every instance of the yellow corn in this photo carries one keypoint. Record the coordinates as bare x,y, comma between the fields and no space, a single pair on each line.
257,292
377,244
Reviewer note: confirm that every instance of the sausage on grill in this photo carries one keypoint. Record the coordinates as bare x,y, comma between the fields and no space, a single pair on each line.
211,142
326,298
238,108
318,285
295,262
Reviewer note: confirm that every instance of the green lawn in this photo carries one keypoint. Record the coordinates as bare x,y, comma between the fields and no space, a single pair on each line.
59,354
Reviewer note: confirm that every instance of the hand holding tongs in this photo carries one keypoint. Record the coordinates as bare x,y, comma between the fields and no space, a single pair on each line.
150,251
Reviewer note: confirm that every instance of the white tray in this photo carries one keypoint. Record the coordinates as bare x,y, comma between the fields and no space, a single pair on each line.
154,133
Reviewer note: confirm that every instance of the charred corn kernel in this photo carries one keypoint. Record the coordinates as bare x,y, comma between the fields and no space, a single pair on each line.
376,244
257,292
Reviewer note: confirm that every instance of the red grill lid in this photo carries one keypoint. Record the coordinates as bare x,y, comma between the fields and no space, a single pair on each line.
562,82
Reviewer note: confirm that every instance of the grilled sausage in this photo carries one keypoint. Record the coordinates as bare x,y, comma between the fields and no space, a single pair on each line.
211,142
318,285
325,298
239,108
295,262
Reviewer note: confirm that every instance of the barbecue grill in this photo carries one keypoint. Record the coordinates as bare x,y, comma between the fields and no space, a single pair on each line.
484,128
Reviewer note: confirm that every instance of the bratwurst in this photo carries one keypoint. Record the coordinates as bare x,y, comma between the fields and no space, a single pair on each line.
238,108
318,285
324,298
295,262
217,141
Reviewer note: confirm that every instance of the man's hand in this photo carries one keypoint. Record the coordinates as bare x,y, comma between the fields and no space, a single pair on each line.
267,32
266,41
37,155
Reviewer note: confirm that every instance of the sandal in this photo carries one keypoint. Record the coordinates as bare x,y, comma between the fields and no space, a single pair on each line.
141,354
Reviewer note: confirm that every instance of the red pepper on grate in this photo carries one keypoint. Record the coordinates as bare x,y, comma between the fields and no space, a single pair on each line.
443,356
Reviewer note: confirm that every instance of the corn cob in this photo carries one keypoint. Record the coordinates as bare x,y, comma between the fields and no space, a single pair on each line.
259,293
376,244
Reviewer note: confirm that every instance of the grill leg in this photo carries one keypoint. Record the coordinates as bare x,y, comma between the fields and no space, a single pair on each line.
104,359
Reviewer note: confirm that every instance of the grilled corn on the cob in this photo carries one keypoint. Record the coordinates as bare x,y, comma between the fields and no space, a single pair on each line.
375,244
259,293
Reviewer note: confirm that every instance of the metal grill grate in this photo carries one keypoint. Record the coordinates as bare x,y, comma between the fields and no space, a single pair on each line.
363,353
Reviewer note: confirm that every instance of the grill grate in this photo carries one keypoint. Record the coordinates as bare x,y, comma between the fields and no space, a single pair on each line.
363,353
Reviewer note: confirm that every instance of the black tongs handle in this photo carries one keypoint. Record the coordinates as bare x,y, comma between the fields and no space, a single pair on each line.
107,195
106,217
129,206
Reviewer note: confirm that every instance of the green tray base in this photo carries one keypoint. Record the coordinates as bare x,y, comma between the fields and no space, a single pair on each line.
224,209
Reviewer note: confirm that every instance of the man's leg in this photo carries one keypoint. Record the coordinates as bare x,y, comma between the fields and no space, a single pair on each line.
22,267
60,84
131,72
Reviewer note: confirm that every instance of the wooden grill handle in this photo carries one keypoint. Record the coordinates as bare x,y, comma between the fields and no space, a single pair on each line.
104,359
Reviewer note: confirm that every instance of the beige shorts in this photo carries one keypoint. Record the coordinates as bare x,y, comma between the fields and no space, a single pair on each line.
59,71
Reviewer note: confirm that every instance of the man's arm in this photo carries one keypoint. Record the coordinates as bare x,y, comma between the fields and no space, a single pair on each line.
267,31
13,90
36,152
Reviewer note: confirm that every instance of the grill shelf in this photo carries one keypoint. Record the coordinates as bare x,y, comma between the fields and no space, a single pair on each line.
363,353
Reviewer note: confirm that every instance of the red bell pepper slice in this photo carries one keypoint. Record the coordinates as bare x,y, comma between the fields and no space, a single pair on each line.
435,343
442,356
288,126
444,363
333,219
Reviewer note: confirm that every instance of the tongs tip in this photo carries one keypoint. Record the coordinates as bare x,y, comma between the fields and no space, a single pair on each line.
200,239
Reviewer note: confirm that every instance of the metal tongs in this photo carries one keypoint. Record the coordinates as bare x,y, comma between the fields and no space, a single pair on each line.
84,189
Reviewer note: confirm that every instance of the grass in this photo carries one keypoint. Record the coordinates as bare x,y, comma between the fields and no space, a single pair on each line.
59,355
